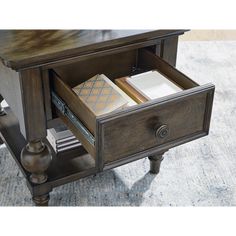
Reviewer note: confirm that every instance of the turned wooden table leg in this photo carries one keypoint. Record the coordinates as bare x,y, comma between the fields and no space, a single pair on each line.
36,158
155,162
41,200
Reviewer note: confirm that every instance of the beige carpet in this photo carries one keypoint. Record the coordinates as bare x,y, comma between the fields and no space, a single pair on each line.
209,35
200,173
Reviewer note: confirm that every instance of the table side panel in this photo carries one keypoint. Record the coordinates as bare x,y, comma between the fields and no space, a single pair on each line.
11,92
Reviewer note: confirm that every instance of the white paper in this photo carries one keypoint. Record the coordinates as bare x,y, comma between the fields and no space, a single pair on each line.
153,84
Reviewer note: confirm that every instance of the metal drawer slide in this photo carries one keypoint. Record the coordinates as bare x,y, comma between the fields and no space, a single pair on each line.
65,110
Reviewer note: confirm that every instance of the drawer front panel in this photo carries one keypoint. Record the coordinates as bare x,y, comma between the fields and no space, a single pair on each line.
144,129
155,125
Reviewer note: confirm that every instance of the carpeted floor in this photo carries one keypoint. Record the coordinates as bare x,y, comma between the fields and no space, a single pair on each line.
200,173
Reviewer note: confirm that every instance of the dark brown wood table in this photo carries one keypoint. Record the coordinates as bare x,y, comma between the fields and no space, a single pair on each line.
38,70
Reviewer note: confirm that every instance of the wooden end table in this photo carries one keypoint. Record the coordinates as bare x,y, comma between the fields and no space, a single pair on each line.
27,60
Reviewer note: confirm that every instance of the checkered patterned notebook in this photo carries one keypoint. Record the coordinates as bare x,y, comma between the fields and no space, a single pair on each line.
100,95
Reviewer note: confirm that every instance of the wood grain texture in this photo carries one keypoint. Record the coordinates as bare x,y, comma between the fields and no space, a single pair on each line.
183,113
75,104
33,105
186,114
133,131
24,48
169,50
130,90
132,182
86,144
113,66
11,92
80,110
98,54
155,162
149,61
121,136
61,170
47,94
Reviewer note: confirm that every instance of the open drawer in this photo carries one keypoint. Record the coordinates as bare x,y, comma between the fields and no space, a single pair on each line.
138,131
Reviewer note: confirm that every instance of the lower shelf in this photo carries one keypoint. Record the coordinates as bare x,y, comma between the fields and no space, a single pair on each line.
63,169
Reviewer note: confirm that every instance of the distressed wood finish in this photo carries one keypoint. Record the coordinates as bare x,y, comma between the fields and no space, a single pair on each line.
149,61
66,77
30,48
79,109
169,50
41,200
41,61
184,113
47,94
11,92
62,169
35,156
155,162
113,66
33,105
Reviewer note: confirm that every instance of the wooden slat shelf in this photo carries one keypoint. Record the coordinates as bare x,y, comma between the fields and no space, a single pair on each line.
62,170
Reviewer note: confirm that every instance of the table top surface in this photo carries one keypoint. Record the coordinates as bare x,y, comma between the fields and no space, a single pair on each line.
20,49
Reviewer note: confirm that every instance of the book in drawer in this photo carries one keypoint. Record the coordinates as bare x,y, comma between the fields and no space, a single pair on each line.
100,95
134,132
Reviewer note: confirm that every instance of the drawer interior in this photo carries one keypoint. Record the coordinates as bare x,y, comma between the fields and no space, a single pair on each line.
119,65
194,100
113,66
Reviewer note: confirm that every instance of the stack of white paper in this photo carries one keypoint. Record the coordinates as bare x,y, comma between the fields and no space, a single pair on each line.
153,84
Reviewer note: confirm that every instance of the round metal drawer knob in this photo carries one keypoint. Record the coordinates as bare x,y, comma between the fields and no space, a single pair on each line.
162,131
